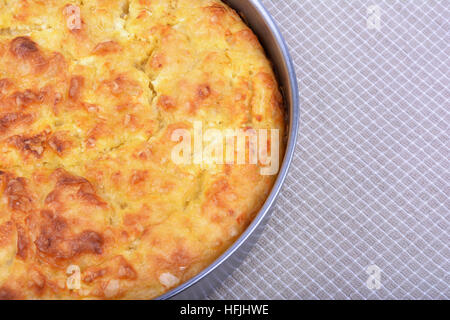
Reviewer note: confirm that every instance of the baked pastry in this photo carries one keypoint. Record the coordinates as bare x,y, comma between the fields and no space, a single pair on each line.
92,204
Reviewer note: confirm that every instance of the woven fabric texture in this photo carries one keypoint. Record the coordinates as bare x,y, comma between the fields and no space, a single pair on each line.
365,210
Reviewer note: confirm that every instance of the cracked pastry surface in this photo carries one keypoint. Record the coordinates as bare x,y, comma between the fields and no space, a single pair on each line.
90,94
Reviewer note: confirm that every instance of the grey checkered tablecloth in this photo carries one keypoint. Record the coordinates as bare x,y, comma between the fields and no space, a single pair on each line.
369,185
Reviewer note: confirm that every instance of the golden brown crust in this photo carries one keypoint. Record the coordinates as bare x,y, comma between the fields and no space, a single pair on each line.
91,93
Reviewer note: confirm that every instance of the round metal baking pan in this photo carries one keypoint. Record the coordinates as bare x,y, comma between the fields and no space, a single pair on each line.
262,24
